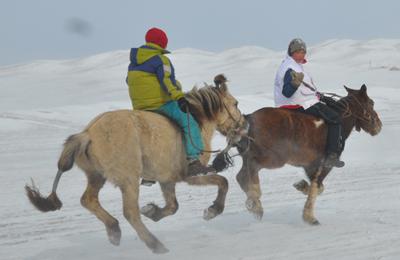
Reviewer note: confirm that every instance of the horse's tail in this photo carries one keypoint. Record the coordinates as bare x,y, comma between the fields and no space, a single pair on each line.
75,145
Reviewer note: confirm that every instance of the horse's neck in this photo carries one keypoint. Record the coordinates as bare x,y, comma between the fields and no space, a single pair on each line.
347,126
207,132
348,122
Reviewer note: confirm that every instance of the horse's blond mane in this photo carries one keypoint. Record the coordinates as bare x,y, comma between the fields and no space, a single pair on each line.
205,102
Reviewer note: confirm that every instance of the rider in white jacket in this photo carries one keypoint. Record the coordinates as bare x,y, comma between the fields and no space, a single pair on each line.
294,89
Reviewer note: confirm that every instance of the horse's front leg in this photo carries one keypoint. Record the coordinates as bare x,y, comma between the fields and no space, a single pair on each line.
308,211
304,187
253,203
249,181
219,204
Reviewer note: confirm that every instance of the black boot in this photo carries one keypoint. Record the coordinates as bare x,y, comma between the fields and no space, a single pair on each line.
196,168
332,160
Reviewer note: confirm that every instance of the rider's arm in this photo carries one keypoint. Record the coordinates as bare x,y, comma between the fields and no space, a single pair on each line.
164,76
288,88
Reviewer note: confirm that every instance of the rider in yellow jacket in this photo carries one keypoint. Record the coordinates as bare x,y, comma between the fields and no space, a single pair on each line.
151,78
153,87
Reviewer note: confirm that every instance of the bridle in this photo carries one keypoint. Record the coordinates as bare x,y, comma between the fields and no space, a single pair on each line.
236,121
345,106
231,133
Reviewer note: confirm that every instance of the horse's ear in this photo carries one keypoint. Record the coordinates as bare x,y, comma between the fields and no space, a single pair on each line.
349,90
220,81
363,89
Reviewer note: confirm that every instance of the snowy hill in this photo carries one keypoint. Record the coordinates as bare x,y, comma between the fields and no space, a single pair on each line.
43,102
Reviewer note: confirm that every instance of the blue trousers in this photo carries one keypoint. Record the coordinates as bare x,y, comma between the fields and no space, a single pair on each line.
172,111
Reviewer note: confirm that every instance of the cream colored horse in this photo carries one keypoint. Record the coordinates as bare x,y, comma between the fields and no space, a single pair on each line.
123,146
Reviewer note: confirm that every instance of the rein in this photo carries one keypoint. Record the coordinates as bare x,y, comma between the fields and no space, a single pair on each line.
191,139
230,115
309,86
345,106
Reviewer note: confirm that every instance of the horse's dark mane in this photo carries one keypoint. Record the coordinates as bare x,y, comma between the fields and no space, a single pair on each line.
338,105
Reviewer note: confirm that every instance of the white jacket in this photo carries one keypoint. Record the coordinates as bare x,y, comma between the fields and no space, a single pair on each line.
303,96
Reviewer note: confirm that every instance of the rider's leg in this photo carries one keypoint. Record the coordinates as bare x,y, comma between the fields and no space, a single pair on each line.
192,137
332,119
193,141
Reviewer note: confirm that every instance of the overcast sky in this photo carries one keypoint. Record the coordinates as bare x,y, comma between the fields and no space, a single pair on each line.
55,29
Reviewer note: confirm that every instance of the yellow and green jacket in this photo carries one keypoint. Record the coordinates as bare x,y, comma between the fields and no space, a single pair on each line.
151,78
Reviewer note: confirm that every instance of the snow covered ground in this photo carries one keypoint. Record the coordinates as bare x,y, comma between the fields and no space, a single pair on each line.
42,103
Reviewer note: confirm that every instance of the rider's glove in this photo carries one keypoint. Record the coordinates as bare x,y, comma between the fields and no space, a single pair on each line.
297,78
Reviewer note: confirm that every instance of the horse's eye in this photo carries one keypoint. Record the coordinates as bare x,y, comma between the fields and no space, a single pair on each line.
371,103
236,104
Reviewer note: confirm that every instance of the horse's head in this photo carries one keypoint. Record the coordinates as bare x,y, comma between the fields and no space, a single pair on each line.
363,111
230,117
216,104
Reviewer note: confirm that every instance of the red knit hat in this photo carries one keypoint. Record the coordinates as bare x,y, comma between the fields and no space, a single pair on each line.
157,36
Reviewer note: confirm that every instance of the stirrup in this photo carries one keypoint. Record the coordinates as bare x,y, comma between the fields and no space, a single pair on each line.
147,183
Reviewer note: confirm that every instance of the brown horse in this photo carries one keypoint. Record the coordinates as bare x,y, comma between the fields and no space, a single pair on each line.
280,136
123,146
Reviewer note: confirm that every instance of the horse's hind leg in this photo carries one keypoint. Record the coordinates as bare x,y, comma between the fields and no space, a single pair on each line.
249,181
130,197
90,200
156,213
219,203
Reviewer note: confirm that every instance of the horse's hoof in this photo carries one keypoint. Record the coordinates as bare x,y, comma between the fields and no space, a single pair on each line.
148,210
315,223
209,213
159,249
302,186
255,209
258,215
311,221
250,204
114,234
